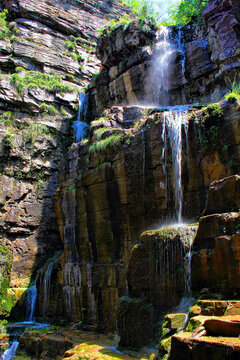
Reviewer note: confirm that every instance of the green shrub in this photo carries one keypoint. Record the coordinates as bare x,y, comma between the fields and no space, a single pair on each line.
7,117
8,137
235,90
49,109
210,120
106,143
99,132
4,30
36,79
70,45
8,31
36,130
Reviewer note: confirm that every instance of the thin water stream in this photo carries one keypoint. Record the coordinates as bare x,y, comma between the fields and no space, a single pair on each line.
80,127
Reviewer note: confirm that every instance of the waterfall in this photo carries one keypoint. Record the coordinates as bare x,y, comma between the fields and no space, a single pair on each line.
80,127
47,282
163,52
10,353
30,303
173,121
181,50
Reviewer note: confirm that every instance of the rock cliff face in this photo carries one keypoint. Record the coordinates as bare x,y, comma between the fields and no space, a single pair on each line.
47,56
77,210
119,182
199,68
215,261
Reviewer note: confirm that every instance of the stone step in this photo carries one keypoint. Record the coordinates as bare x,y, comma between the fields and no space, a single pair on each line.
214,348
223,326
216,308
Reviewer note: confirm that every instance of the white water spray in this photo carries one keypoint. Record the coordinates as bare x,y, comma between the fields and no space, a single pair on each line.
174,119
163,52
80,127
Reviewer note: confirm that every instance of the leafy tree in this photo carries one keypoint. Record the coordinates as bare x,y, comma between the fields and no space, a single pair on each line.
143,8
186,12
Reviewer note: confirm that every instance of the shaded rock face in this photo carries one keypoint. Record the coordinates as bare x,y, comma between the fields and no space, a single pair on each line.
117,184
215,261
47,57
199,67
157,279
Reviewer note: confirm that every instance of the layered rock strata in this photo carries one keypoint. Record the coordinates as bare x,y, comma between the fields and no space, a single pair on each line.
116,184
199,67
215,261
47,56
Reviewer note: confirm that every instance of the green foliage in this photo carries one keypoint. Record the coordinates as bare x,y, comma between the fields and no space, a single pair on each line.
7,117
5,300
210,120
4,29
63,111
143,8
99,132
113,24
235,90
36,130
8,138
106,143
49,109
8,31
71,188
186,12
72,47
36,79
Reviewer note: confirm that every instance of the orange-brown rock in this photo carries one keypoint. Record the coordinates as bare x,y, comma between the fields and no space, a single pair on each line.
216,248
216,348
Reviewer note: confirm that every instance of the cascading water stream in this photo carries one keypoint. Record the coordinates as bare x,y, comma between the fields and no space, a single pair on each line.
80,127
30,303
47,282
11,352
163,53
174,119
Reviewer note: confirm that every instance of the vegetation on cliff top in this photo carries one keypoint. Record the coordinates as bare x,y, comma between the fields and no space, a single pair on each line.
186,12
183,13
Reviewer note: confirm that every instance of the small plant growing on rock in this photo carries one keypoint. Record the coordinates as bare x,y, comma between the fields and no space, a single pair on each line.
210,119
106,143
36,130
235,90
7,117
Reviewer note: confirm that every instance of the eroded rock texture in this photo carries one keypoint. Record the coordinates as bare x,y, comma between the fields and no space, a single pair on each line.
215,261
200,67
117,184
46,58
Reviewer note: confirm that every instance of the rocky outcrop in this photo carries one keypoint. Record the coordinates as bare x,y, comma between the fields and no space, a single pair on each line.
215,260
47,56
157,279
199,67
116,184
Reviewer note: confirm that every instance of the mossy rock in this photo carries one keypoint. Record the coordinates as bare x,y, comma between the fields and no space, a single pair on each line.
194,311
173,323
6,257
